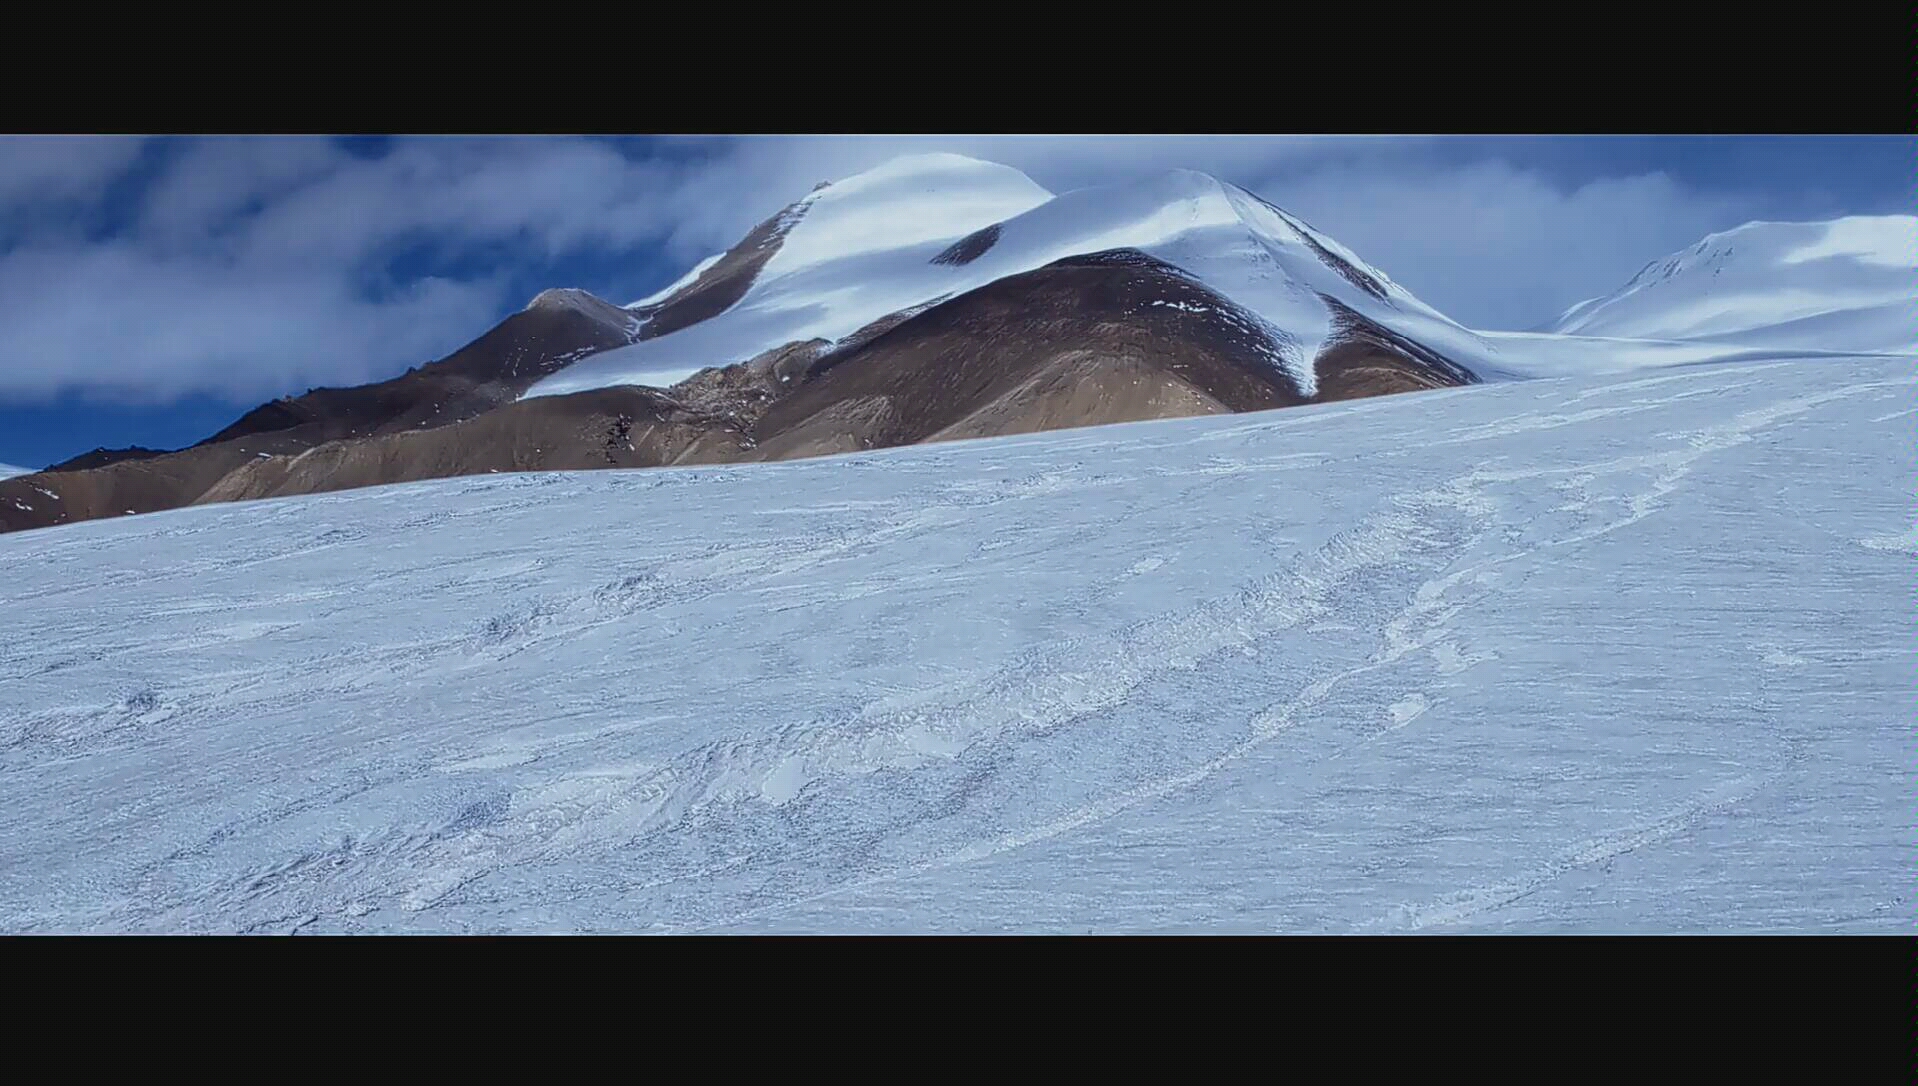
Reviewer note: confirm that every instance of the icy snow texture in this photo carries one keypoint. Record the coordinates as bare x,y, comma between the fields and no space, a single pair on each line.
863,248
1591,655
8,471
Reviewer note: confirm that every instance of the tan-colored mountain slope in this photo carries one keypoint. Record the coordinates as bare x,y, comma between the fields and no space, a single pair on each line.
608,428
559,328
145,485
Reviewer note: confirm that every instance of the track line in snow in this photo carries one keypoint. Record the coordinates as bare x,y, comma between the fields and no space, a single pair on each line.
1474,901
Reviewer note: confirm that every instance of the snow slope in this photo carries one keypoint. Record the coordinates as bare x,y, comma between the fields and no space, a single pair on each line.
1850,284
864,248
1591,655
686,280
8,471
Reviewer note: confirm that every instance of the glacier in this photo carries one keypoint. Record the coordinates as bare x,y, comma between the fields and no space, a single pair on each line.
1595,654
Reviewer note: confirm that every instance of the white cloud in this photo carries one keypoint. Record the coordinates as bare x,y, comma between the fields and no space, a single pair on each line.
258,267
119,322
62,169
552,195
212,181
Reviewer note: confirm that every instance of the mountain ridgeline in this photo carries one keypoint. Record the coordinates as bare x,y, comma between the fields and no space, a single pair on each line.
933,298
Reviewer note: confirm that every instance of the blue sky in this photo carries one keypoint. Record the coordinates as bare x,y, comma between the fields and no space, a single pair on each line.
153,289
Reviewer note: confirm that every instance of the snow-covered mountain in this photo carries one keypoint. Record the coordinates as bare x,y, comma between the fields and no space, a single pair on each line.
1850,284
938,297
1590,636
926,228
1593,655
8,471
922,230
933,298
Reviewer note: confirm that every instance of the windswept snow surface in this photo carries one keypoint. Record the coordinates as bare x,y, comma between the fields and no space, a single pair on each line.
8,471
863,248
1546,656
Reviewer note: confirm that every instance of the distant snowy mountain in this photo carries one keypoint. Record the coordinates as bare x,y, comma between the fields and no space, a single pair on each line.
1850,284
8,471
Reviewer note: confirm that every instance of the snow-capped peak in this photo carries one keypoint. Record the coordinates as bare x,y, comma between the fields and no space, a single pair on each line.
935,168
924,227
561,298
903,202
8,471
